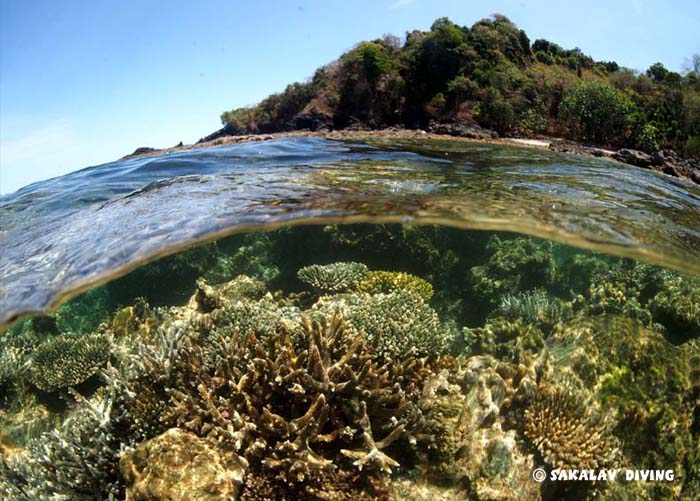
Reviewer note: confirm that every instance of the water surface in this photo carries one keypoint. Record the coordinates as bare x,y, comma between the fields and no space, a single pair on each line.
61,236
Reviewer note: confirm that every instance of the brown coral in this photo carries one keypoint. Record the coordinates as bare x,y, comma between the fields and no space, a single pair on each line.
303,410
568,431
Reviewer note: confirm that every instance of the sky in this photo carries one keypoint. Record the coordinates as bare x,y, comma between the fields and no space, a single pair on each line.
84,83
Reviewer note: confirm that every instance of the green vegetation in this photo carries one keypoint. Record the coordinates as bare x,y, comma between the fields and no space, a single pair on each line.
490,75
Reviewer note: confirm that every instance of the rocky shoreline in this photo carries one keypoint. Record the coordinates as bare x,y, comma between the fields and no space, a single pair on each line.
666,161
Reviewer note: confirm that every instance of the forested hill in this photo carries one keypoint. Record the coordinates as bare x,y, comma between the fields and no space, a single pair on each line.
490,75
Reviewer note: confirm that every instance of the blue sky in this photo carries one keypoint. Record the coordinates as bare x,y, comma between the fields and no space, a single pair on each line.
82,83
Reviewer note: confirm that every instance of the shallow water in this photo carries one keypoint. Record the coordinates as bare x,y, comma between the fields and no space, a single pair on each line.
351,361
64,235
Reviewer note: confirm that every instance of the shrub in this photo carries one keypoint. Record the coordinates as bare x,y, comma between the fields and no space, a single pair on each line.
692,146
495,112
648,137
596,111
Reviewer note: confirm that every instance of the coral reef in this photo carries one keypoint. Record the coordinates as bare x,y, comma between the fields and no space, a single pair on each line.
350,391
677,306
503,339
249,254
398,323
331,278
376,282
67,360
471,448
311,410
646,383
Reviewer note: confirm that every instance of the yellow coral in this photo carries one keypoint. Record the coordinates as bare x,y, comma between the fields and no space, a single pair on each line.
376,282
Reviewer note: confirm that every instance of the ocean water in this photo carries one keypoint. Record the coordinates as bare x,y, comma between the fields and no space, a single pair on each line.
314,319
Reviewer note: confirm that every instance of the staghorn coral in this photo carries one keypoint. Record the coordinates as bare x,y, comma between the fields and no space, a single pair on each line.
303,410
334,370
331,278
388,281
77,461
67,360
398,323
568,431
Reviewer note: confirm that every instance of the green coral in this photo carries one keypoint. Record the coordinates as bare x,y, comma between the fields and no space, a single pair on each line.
67,360
514,265
677,306
334,277
535,307
643,379
399,322
388,281
502,338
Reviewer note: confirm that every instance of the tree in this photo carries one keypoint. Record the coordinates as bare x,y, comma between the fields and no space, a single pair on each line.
596,112
657,72
496,113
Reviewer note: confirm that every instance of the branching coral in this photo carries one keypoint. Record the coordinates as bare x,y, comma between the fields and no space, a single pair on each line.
335,277
389,281
77,461
67,360
568,431
288,407
399,322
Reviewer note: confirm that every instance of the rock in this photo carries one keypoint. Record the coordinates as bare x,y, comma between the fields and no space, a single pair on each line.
141,150
471,131
312,117
471,449
633,157
227,130
666,161
178,465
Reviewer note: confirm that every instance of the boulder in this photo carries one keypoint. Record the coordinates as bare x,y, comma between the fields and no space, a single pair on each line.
633,157
459,129
179,466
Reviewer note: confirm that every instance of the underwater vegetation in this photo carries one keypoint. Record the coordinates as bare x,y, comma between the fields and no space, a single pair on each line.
451,375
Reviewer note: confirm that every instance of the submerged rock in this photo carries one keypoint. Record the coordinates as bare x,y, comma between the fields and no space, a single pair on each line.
179,466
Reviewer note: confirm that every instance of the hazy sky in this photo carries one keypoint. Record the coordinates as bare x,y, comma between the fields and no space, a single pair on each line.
86,82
